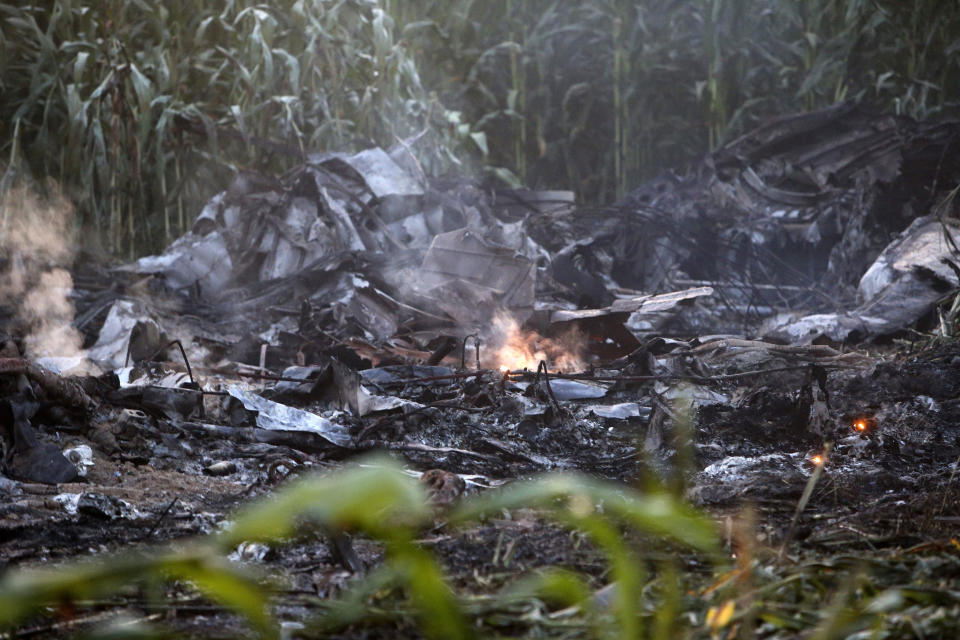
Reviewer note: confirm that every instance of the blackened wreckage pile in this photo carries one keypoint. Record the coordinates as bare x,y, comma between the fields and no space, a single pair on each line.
485,334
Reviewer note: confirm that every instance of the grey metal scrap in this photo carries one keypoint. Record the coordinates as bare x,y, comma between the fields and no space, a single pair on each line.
786,219
493,275
280,417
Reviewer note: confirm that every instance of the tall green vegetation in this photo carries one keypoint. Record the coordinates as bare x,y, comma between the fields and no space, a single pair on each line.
612,92
139,108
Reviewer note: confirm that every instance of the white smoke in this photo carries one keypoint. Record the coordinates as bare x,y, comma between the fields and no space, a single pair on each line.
36,239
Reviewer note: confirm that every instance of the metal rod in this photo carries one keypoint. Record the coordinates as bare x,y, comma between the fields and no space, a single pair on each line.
463,351
542,367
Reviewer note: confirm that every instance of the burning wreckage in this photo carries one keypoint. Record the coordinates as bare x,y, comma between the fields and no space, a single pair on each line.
745,309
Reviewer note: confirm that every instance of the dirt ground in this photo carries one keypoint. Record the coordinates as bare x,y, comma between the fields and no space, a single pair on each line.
890,486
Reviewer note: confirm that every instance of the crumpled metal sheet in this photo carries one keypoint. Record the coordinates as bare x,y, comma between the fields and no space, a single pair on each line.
359,399
285,245
836,327
923,246
193,260
619,411
383,176
904,283
260,229
786,218
280,417
114,341
737,476
98,505
399,373
376,314
255,222
636,304
469,276
577,389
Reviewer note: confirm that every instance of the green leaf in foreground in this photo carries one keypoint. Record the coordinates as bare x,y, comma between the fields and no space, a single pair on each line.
657,513
376,499
23,593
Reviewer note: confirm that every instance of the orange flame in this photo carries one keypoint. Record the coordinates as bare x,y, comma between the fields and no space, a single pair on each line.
817,460
513,348
860,425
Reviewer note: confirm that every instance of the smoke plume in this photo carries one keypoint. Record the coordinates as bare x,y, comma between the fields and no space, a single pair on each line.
36,246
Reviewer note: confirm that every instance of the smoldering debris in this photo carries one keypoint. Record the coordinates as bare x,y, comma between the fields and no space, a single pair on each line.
709,330
783,223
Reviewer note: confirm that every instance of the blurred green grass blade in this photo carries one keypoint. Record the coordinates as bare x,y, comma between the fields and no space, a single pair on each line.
439,614
25,592
627,570
657,513
555,586
219,580
353,605
375,498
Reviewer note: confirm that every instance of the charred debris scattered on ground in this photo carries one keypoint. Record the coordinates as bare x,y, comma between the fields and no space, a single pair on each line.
794,295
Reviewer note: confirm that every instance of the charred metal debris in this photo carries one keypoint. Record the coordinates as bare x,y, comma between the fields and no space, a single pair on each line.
736,314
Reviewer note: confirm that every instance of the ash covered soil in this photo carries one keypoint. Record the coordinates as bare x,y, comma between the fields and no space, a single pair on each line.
889,486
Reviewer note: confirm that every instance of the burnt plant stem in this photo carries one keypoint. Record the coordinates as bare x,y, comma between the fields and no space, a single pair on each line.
160,519
805,498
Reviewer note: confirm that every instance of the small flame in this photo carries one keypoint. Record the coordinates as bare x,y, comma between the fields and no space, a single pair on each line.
860,425
817,460
514,348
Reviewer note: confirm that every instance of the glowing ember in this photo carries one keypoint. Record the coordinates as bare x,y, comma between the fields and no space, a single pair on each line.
860,425
817,460
514,348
